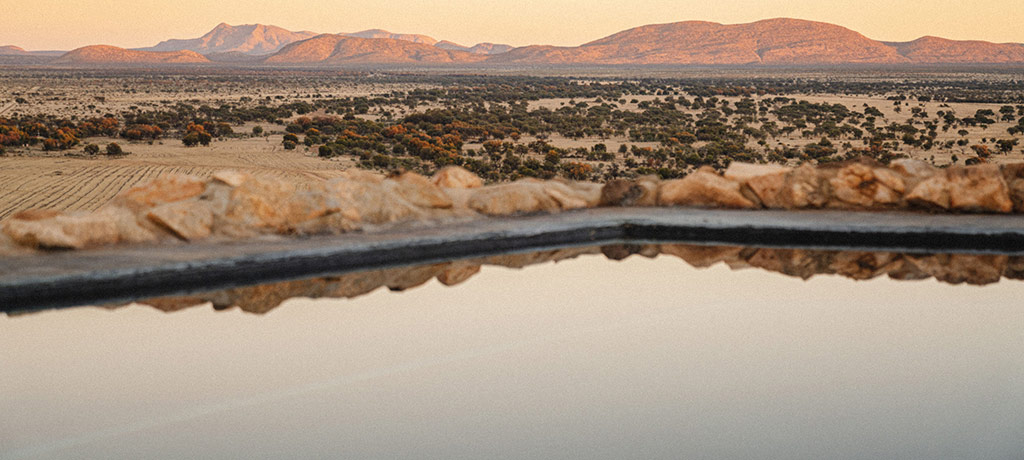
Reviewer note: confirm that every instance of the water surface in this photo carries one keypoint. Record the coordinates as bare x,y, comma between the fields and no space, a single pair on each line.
586,358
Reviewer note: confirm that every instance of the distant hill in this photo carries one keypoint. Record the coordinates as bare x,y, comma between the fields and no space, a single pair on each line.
11,50
481,48
343,49
935,50
769,42
379,33
236,57
103,54
774,41
247,39
224,42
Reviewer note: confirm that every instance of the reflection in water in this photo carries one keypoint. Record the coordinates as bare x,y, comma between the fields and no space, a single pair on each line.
645,358
975,269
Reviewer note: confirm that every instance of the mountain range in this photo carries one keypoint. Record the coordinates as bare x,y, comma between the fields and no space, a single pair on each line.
777,42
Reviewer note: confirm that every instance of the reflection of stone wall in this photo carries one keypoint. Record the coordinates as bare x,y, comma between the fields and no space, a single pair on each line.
235,205
948,268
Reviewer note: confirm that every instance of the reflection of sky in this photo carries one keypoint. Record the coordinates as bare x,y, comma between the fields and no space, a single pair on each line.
637,359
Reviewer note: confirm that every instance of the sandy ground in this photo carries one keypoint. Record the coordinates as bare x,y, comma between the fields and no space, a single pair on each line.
86,183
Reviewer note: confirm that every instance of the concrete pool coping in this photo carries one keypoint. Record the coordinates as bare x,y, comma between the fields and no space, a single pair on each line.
122,274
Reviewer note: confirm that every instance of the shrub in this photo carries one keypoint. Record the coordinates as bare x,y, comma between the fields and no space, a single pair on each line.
190,139
224,129
289,145
92,149
114,149
196,134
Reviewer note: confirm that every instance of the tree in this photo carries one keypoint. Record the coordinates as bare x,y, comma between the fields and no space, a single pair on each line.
257,130
114,149
92,149
1006,145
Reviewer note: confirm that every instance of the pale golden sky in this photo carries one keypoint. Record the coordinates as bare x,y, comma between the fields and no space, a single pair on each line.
66,24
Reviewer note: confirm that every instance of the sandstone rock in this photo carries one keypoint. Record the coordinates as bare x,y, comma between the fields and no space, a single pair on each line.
575,195
129,228
1012,171
1013,174
1016,190
276,206
962,268
460,199
979,188
623,192
624,251
931,193
913,171
907,271
793,262
702,256
164,189
357,284
864,186
410,277
188,220
521,260
261,203
761,183
62,231
1015,268
9,248
232,178
370,202
420,191
458,273
743,172
587,193
865,265
703,188
520,197
456,177
30,215
768,189
804,187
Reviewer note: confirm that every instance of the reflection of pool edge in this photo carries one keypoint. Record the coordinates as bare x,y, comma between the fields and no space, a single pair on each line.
126,278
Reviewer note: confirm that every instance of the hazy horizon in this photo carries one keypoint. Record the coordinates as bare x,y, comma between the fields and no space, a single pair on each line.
65,25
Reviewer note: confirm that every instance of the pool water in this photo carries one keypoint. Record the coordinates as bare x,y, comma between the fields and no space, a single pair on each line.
585,358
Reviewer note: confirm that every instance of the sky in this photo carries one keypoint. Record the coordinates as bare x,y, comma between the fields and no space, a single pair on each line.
68,24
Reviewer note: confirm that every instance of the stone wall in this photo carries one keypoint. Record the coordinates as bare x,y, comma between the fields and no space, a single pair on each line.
232,205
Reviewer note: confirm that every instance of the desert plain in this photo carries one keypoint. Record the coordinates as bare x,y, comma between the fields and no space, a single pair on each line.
32,176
